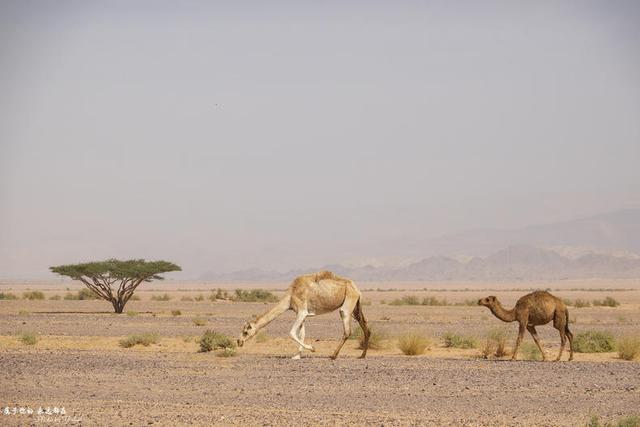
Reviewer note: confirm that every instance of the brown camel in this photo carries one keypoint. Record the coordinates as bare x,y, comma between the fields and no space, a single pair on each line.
310,295
534,309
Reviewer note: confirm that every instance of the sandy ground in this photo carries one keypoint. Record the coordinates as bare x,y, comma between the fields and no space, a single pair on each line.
78,364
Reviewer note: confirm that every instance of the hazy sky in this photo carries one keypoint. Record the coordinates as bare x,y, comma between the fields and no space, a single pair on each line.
225,136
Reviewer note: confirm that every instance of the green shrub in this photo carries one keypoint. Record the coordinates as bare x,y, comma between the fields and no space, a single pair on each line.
145,339
7,296
33,295
164,297
459,341
211,340
28,338
628,347
87,294
413,344
254,295
594,342
198,321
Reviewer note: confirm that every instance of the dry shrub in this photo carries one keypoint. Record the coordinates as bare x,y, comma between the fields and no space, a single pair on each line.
7,296
495,344
629,347
376,339
413,344
186,299
176,313
55,298
164,297
198,321
132,313
580,303
33,295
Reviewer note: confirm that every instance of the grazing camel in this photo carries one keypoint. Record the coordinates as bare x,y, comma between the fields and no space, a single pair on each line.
534,309
310,295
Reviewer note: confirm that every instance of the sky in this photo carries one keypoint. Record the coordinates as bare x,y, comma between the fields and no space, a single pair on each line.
231,135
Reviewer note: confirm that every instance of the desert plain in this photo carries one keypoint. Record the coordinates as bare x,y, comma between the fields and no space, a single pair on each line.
78,363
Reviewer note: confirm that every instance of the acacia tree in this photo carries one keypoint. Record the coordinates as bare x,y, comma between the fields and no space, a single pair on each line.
114,280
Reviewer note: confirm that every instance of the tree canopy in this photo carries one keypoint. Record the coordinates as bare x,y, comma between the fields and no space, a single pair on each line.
114,280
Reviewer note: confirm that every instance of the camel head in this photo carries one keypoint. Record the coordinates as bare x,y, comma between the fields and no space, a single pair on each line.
248,332
489,301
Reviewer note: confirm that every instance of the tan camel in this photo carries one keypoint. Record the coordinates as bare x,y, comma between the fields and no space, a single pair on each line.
310,295
534,309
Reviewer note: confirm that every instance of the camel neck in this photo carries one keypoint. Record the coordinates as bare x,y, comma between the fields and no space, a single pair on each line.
270,315
503,314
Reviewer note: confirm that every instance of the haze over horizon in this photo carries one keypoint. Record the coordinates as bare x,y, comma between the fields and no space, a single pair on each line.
226,136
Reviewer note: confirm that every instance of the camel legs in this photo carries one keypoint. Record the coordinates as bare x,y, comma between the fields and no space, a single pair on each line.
518,340
301,335
359,316
346,323
534,334
570,336
296,329
561,324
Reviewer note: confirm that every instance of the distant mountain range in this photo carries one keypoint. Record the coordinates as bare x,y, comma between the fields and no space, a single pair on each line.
513,263
602,246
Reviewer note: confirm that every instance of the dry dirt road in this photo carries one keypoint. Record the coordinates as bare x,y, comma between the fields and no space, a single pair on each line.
146,388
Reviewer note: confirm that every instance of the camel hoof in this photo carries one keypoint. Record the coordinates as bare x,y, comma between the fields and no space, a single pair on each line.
333,357
296,357
312,349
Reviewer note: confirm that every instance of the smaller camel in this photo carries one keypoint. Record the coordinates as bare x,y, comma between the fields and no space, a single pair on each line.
534,309
310,295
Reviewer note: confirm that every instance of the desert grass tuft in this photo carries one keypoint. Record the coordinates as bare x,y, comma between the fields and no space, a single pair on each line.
132,313
199,321
28,338
413,344
164,297
628,347
145,339
494,344
176,313
7,296
607,302
530,351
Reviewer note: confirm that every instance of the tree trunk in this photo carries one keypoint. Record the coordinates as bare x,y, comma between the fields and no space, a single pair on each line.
118,306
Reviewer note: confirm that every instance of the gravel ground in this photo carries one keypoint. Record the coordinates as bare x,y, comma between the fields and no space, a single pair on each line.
144,388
